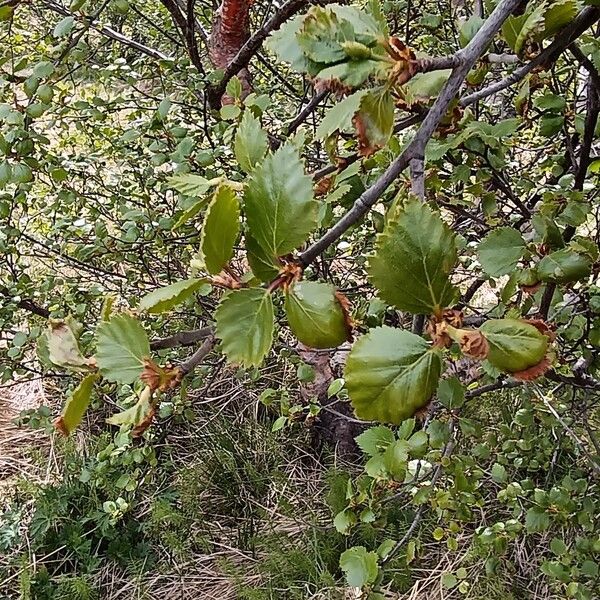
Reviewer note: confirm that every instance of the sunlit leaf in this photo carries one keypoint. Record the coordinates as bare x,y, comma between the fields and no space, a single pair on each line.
280,206
76,405
250,142
500,251
315,315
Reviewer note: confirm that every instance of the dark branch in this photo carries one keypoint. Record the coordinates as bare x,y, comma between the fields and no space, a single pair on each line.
183,338
193,361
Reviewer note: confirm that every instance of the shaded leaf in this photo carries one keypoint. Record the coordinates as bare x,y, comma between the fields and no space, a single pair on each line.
564,266
339,117
121,347
500,251
413,259
245,325
315,315
560,14
220,229
374,121
166,298
251,142
390,374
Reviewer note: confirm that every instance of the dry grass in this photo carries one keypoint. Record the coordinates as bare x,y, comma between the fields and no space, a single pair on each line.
16,442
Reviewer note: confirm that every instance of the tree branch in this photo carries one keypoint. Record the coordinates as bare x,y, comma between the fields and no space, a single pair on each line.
193,361
249,49
585,19
182,338
306,112
112,34
467,57
27,304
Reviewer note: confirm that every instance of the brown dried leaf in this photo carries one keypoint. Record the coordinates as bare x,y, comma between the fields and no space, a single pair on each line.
139,429
346,310
535,371
473,344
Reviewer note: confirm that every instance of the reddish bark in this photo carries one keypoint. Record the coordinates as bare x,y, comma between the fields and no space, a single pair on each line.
230,32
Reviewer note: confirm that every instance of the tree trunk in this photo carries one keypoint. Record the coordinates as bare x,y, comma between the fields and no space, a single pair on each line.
230,32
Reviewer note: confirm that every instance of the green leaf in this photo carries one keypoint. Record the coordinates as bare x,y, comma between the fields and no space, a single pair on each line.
230,112
564,266
344,520
526,27
191,212
280,207
359,566
560,14
220,229
385,547
500,251
469,28
64,27
390,374
339,117
374,121
375,440
76,405
550,102
537,520
396,459
424,86
234,88
245,325
251,142
558,546
449,581
417,443
166,298
499,473
265,266
451,393
192,185
121,348
322,34
413,259
6,12
551,125
513,344
63,348
315,315
284,44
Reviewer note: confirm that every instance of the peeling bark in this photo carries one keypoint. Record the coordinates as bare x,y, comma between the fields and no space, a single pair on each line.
230,32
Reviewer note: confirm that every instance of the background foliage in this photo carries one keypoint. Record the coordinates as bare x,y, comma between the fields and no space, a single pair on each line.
313,299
